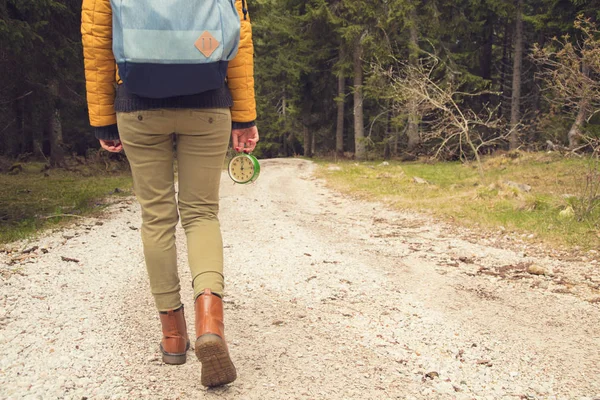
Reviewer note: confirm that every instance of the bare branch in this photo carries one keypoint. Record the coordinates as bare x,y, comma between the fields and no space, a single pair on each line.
431,86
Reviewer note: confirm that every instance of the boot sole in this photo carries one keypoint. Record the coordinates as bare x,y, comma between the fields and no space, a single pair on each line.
217,367
174,358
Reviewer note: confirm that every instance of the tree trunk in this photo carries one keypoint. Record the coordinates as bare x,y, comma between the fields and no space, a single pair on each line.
515,104
486,55
575,131
537,94
339,129
307,142
412,132
313,144
396,140
38,150
387,150
57,154
291,140
505,61
55,129
284,142
23,140
359,129
283,106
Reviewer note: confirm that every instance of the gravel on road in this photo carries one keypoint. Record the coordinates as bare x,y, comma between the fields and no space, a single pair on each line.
327,297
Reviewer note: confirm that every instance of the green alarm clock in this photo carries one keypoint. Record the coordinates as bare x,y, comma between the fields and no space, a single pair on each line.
244,168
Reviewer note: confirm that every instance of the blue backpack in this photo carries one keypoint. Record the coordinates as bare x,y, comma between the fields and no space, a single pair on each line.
166,48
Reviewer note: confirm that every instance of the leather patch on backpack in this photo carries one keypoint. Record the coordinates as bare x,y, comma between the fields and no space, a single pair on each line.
207,44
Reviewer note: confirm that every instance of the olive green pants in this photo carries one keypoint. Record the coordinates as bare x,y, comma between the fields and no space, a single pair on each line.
202,137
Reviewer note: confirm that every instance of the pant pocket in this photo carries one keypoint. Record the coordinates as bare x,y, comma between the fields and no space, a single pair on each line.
152,122
211,115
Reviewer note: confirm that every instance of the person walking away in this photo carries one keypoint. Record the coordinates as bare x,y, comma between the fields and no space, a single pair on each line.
157,72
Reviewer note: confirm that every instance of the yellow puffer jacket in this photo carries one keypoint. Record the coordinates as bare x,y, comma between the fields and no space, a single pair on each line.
101,73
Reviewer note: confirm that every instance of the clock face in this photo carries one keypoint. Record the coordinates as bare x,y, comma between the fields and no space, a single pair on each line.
241,169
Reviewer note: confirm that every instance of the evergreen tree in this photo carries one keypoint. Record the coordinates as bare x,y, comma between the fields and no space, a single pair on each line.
41,76
317,91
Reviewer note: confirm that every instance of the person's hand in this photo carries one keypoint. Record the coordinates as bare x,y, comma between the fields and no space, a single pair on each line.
245,139
114,146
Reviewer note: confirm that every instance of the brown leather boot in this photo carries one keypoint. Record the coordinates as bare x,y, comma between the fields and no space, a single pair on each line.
211,349
175,342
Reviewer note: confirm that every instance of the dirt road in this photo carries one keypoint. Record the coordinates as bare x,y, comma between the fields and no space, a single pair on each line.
327,298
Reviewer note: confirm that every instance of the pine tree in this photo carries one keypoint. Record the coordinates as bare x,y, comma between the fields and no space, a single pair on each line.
43,74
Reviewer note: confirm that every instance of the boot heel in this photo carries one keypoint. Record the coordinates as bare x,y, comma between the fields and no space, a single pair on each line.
217,367
174,359
175,342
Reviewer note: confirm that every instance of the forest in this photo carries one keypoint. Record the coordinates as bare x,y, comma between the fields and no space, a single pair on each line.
358,79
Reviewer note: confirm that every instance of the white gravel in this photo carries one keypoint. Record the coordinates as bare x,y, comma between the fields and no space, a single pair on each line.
327,298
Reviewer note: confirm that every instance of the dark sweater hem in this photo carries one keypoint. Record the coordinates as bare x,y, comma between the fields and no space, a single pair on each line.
126,101
110,132
242,125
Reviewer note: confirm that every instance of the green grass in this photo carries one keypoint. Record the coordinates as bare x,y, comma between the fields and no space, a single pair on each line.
457,193
29,199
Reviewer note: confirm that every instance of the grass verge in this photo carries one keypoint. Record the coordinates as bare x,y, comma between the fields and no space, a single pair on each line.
31,201
550,209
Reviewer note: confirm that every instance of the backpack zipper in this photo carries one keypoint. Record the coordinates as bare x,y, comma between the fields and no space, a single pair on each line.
244,9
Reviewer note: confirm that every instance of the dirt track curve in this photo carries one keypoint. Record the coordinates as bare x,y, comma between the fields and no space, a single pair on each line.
327,298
